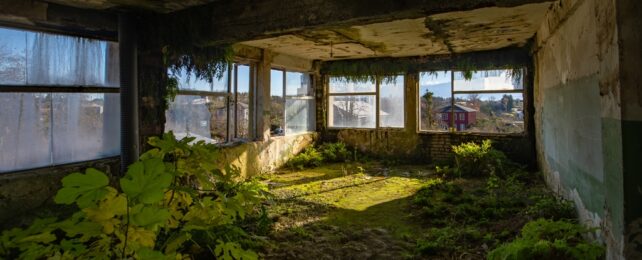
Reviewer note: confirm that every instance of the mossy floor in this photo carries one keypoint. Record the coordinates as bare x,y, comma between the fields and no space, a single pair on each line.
345,211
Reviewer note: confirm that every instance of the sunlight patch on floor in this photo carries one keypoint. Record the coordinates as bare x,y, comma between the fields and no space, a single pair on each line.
354,192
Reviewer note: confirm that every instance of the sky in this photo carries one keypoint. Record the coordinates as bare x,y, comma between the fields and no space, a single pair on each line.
439,85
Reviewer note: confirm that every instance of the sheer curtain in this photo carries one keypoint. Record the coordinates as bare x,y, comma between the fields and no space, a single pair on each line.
40,129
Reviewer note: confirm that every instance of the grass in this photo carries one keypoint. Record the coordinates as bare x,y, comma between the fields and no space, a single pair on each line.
380,211
346,206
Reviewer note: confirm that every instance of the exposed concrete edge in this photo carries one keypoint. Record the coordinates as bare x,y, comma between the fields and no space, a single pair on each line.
54,18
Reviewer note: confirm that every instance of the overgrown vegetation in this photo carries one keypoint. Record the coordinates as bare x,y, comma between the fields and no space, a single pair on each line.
472,159
176,202
326,153
470,216
387,70
547,239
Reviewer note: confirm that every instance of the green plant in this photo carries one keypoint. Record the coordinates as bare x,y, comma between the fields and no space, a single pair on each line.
309,158
444,171
448,239
335,152
174,191
547,239
472,159
549,207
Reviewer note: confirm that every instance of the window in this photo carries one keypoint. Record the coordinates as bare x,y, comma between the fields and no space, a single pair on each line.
292,108
355,105
491,101
59,100
435,94
214,112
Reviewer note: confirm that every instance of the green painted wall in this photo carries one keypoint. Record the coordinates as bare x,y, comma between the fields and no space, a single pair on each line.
572,136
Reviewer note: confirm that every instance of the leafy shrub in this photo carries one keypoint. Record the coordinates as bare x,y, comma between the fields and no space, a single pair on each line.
309,158
335,152
448,239
547,239
550,207
439,201
174,192
472,159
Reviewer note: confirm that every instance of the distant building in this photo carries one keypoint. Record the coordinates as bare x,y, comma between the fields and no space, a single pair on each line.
464,116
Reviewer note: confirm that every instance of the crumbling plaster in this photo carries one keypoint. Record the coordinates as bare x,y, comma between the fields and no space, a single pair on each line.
458,32
578,111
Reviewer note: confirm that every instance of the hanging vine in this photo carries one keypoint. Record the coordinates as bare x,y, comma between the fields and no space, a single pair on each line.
184,54
387,69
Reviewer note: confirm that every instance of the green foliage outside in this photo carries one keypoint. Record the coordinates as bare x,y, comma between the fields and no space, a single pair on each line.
169,205
547,239
313,157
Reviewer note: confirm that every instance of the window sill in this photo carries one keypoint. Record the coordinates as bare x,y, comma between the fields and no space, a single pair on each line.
277,137
387,129
60,168
522,134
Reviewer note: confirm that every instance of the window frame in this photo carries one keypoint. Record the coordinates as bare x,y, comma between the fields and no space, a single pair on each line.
52,89
285,97
451,115
231,95
376,95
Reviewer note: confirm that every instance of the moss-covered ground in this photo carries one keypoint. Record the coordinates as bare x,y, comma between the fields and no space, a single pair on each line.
340,211
372,211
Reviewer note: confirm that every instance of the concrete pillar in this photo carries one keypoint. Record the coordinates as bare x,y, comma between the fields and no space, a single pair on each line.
630,54
129,136
262,120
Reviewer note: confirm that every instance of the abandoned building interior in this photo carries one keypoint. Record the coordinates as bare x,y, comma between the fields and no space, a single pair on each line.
555,85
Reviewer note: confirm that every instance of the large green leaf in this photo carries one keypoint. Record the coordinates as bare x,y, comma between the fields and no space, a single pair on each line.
146,181
149,216
232,251
84,189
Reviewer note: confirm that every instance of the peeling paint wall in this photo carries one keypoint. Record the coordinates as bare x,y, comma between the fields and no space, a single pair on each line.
255,158
578,113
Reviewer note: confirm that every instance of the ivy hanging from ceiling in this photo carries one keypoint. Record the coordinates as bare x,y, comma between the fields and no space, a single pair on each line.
387,69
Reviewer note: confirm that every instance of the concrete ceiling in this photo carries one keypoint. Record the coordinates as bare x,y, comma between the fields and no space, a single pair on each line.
454,32
161,6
